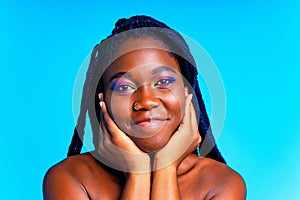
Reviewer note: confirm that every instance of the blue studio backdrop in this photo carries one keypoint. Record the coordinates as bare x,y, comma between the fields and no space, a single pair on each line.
254,44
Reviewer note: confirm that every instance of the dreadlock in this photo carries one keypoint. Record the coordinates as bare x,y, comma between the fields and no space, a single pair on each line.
100,58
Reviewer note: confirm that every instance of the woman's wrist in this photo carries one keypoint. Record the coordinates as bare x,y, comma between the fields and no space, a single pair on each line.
137,186
164,162
165,184
138,176
168,170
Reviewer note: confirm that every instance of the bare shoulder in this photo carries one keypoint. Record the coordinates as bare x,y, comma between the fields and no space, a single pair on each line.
63,180
78,177
205,178
222,181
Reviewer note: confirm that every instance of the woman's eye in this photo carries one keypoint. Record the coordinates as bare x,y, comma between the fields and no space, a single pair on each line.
165,82
122,88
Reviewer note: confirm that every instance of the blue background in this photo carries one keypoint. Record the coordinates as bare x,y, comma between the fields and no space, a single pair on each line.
254,44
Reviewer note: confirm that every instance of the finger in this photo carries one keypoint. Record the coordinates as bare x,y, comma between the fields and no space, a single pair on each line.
185,124
101,132
190,128
186,116
104,131
104,137
186,91
100,95
194,125
194,122
110,124
117,136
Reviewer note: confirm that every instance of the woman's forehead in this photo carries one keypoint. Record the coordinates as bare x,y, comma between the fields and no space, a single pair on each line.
147,60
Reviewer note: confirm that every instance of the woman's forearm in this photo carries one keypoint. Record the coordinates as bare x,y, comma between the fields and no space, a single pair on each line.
165,185
137,186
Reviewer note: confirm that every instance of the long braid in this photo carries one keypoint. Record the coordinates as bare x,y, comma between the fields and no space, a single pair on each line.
77,139
208,144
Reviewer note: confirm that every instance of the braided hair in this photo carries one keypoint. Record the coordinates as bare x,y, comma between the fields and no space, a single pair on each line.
100,58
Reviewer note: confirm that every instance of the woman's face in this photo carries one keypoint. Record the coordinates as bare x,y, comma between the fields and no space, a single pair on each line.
145,94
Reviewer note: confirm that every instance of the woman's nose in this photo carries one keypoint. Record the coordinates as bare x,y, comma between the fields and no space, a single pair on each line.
145,98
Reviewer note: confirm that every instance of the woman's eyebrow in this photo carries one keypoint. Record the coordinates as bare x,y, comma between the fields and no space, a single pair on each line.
121,74
154,71
162,68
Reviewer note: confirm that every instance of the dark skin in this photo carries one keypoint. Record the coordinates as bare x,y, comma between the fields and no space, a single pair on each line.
84,177
157,116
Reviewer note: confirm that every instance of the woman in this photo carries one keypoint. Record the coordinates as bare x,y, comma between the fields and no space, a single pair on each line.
144,103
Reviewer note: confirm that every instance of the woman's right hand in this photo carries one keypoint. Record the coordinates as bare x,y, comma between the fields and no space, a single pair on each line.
117,149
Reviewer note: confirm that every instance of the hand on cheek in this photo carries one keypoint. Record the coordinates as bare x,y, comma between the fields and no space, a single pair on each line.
183,142
116,148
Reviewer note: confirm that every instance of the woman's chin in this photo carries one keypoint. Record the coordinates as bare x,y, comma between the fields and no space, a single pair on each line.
149,145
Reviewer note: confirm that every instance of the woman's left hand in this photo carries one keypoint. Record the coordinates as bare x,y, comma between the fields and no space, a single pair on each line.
183,142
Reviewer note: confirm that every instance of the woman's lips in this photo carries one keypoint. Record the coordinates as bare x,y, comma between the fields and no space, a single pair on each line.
147,126
149,122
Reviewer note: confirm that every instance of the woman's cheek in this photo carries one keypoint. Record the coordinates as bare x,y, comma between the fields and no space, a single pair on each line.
175,101
120,111
115,103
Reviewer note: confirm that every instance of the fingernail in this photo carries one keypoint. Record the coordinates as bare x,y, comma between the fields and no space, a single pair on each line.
101,96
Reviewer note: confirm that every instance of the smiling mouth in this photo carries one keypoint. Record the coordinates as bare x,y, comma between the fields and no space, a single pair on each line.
150,122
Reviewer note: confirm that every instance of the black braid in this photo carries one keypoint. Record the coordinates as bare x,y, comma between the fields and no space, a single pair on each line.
77,139
168,37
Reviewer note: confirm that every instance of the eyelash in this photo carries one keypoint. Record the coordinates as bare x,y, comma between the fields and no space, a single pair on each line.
165,82
118,86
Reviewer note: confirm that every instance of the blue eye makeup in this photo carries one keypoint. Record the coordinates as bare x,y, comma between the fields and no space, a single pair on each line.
128,87
122,87
165,81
